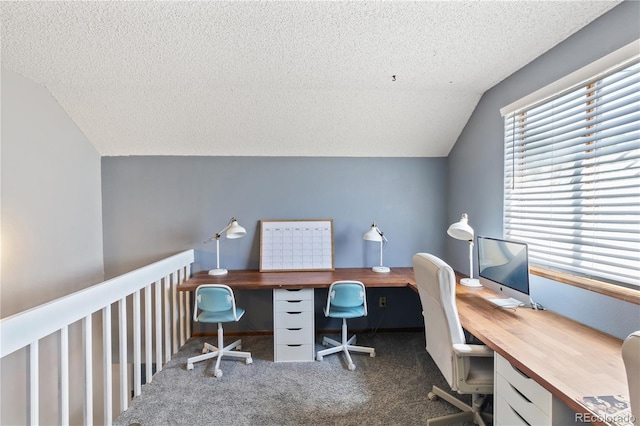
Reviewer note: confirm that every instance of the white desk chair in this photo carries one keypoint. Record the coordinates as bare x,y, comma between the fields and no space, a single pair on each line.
468,369
631,358
346,299
216,303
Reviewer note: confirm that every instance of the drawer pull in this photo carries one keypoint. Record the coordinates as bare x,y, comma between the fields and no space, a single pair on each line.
520,371
520,393
293,289
294,301
294,329
294,313
294,346
519,416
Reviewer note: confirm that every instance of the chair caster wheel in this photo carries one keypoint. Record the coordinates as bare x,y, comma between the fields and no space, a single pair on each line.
205,350
432,396
248,361
352,367
189,366
372,354
319,358
218,373
239,347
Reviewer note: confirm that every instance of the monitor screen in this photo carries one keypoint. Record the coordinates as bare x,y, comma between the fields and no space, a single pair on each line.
505,264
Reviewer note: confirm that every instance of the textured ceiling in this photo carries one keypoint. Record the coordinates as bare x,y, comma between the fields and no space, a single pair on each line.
279,78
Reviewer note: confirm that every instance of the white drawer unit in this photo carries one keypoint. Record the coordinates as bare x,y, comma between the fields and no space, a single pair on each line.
520,400
293,325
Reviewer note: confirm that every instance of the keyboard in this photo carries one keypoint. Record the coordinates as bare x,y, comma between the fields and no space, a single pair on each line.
506,303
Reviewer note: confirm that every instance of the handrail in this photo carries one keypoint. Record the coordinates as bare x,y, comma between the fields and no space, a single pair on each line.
19,330
170,329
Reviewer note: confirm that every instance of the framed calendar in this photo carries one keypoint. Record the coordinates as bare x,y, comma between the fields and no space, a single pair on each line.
296,245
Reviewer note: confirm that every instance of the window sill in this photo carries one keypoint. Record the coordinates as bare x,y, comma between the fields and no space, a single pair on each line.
611,290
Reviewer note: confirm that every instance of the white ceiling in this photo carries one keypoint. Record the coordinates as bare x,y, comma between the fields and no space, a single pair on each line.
279,78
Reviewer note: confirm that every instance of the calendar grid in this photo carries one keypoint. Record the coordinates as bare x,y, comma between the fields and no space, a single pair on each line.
296,245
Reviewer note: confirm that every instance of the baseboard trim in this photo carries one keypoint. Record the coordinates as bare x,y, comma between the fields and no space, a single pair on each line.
324,331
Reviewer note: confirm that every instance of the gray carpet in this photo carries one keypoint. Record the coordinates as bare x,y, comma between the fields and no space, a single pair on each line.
390,389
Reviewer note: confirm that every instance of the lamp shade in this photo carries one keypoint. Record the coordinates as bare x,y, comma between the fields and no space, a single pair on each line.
373,234
235,230
461,230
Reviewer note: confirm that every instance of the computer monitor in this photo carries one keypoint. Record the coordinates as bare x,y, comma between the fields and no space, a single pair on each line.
504,268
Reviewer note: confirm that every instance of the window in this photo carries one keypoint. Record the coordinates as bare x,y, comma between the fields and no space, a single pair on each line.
572,177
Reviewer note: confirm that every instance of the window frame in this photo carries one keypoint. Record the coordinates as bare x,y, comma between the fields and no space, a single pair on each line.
583,76
612,290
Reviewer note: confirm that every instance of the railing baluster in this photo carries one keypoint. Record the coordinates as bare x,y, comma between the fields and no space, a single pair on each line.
167,323
182,321
187,310
148,337
137,379
106,365
174,316
34,388
64,375
88,370
122,329
158,318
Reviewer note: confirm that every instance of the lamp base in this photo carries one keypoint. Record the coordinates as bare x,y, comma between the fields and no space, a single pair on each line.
470,282
218,271
381,269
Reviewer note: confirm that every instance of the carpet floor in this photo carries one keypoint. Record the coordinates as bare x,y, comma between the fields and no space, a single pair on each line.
389,389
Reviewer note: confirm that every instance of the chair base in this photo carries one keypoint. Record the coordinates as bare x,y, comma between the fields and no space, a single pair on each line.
469,413
209,351
344,346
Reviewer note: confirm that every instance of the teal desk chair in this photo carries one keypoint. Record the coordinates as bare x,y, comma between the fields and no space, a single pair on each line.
346,299
216,303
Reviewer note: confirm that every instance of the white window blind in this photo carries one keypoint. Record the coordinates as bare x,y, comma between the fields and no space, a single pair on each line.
572,178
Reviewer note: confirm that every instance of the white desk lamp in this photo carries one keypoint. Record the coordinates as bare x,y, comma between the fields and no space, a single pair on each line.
376,235
233,231
462,231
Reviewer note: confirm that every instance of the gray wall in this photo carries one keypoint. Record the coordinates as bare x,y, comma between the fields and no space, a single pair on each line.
51,229
156,206
475,172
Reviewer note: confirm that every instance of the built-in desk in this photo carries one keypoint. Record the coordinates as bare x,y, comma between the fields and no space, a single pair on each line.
256,280
293,300
565,357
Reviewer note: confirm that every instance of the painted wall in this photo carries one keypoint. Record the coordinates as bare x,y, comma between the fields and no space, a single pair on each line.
156,206
51,229
475,179
52,223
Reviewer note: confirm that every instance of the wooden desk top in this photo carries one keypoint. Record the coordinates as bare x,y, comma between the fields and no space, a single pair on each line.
255,280
567,358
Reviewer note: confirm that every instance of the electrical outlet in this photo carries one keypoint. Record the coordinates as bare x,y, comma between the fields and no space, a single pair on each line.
382,302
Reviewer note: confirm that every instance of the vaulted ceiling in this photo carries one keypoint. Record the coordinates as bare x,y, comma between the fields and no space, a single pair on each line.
279,78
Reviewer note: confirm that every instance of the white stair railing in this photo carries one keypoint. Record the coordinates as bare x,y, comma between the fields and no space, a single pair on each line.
163,322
